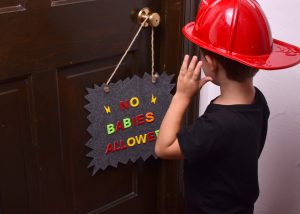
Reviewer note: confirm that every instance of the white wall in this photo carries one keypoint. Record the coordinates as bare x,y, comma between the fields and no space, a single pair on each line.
279,165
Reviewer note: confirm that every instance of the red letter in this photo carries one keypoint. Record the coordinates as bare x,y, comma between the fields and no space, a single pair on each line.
119,126
116,147
109,148
124,105
122,145
133,121
151,137
140,119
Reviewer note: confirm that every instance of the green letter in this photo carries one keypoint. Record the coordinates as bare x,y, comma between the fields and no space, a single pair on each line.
126,123
110,128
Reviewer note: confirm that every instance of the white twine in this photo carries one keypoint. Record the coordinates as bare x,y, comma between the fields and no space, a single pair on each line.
154,75
121,60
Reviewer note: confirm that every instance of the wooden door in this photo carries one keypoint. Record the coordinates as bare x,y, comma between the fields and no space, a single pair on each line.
50,52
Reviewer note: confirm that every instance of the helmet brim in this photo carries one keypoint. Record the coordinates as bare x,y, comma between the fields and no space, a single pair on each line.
283,55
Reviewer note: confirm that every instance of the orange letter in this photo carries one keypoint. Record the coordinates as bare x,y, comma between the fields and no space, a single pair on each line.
149,117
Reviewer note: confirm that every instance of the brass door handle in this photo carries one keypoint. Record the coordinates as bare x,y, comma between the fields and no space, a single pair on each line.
153,18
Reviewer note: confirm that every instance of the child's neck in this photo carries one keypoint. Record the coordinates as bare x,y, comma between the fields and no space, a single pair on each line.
235,93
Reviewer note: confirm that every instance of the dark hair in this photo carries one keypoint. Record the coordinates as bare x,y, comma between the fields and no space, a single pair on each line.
234,70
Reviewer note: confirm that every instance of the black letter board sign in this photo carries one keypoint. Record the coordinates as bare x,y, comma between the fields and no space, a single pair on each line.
125,122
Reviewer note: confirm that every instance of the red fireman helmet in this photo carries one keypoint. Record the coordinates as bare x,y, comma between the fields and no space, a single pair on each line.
239,30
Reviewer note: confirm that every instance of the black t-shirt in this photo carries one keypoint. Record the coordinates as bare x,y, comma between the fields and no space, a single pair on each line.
221,151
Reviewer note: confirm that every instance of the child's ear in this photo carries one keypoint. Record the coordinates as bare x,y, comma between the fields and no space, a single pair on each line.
211,61
208,59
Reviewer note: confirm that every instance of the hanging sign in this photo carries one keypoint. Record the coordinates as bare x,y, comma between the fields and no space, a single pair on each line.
125,122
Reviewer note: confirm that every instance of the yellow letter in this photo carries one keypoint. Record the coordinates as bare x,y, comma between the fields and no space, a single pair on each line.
153,99
128,142
107,109
141,138
134,102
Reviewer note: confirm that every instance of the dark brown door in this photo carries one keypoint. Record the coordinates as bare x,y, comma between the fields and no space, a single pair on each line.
50,52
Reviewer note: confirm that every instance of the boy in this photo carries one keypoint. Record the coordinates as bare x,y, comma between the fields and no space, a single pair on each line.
221,149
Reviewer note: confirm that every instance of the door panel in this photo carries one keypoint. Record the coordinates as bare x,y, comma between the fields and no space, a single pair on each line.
51,51
112,187
15,138
11,6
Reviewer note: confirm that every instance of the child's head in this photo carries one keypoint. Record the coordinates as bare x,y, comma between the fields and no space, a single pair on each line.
234,70
239,30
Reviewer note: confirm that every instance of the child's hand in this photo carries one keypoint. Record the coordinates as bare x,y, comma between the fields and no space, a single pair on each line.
189,81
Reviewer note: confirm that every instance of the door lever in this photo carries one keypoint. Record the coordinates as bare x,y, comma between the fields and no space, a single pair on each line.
153,18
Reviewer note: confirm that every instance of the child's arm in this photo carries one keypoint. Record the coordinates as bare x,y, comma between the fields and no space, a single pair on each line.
188,84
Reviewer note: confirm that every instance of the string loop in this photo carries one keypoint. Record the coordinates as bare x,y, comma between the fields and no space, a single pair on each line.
154,75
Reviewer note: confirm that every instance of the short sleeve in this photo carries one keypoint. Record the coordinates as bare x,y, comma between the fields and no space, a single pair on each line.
203,137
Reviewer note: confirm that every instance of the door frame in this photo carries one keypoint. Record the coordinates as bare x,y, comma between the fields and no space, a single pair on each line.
171,199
